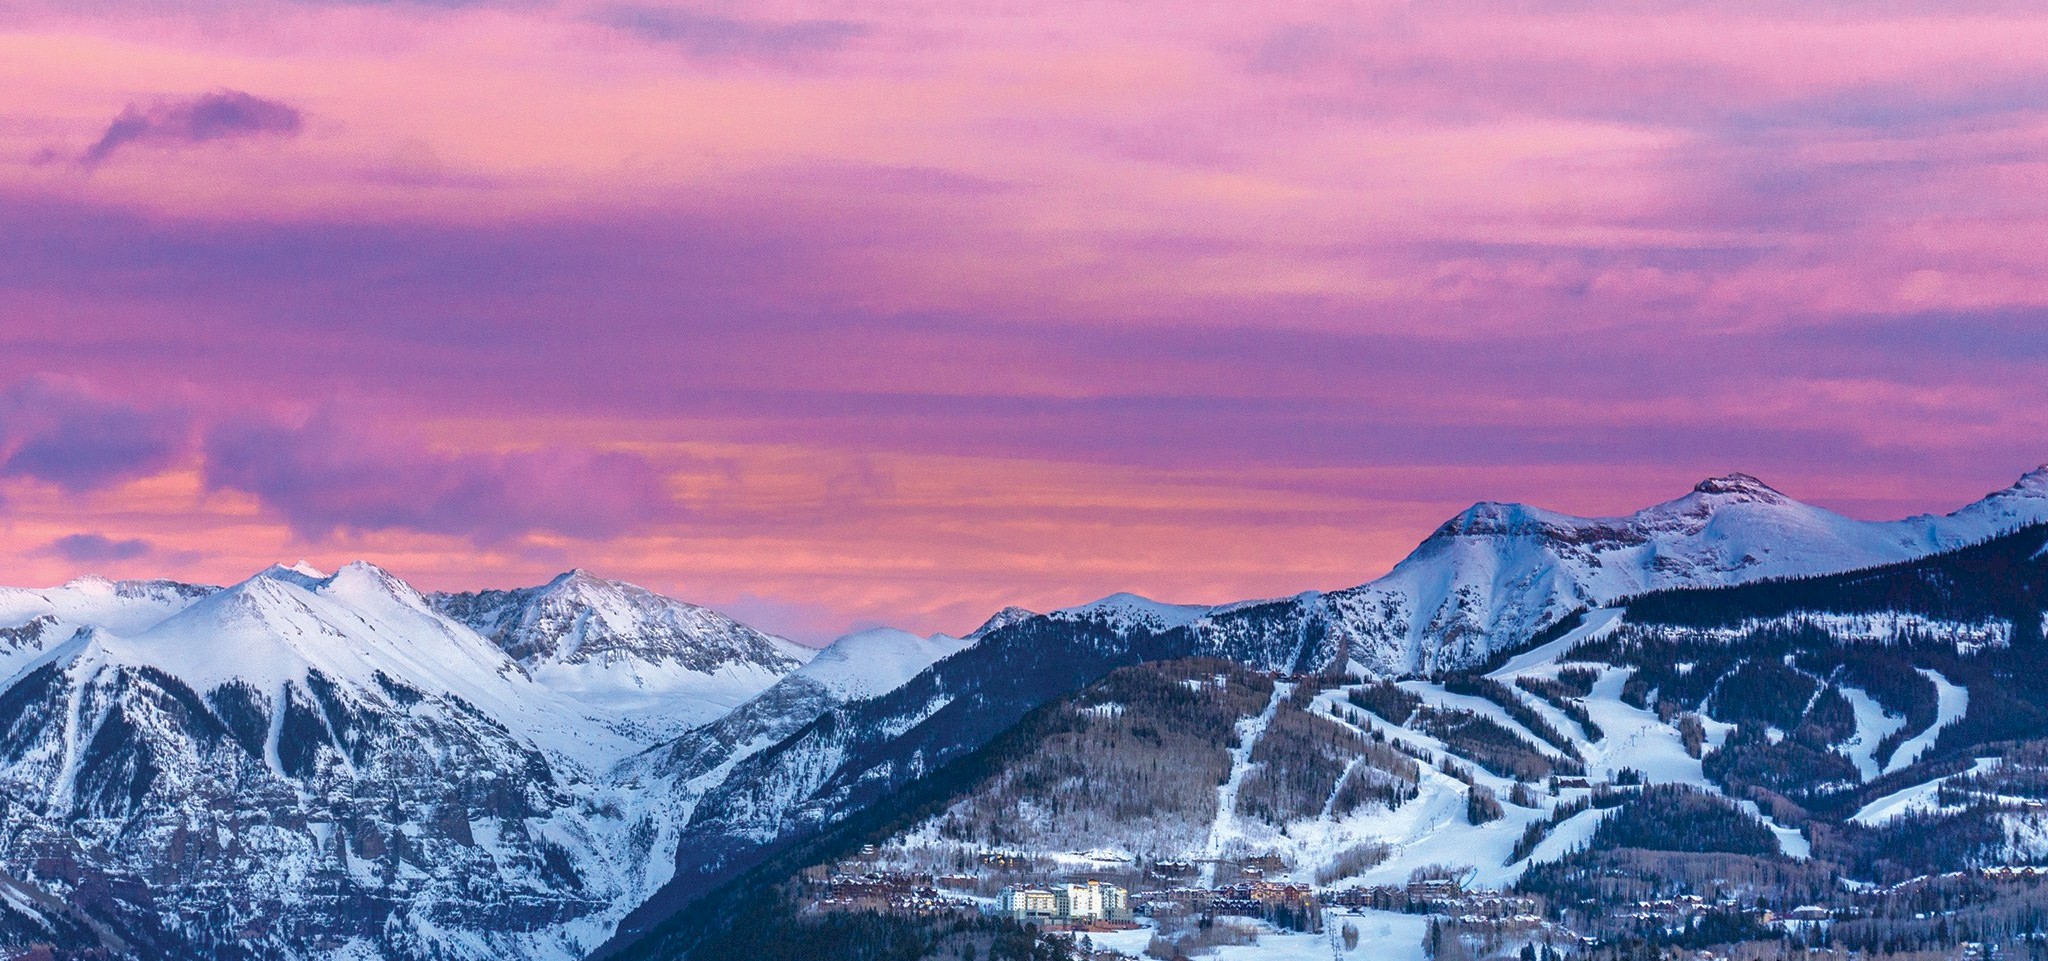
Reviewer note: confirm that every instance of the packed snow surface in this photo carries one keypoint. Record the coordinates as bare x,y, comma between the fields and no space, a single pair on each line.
1382,935
1249,730
1873,725
1951,703
1918,799
1593,626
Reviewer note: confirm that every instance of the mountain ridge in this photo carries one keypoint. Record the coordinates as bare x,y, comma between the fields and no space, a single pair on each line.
577,744
1499,571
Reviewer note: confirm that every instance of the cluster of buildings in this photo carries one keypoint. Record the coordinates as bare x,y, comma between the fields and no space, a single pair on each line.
1093,901
1295,906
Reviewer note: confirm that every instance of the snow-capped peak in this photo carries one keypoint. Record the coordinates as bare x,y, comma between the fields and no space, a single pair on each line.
1494,518
268,631
627,650
876,661
1002,619
360,579
579,616
90,584
2034,481
1125,611
580,579
1497,572
302,574
1742,487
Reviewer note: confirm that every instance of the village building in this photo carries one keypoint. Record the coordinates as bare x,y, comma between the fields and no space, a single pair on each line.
1028,904
1093,901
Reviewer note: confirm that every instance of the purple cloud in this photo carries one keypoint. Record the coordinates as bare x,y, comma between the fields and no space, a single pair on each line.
95,548
712,35
219,115
53,430
327,476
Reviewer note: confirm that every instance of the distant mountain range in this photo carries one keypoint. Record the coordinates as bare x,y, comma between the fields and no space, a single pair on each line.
338,766
1495,574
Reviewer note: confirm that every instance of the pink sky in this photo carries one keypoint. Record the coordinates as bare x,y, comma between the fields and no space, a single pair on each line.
835,314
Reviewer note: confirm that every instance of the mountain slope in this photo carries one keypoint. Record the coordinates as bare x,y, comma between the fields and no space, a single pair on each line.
858,752
874,662
669,781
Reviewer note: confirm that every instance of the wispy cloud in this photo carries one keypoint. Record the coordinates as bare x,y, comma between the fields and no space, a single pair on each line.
209,117
96,548
719,35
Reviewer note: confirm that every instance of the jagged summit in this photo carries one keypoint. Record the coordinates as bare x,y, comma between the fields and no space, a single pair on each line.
1124,610
1738,485
302,574
625,649
1497,517
91,582
1003,618
1501,518
579,616
578,578
359,580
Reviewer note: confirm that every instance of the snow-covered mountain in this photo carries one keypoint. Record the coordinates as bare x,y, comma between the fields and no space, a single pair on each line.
860,666
1495,574
625,650
35,618
874,662
310,765
1487,580
1698,753
673,779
